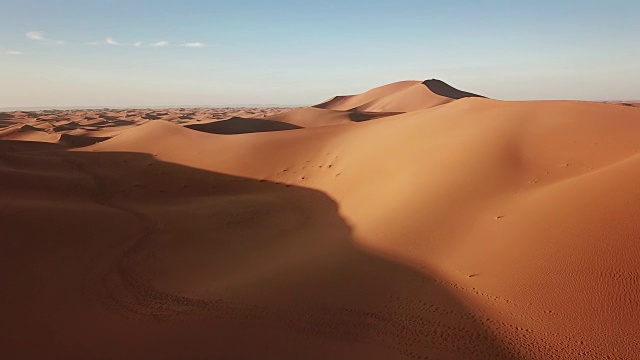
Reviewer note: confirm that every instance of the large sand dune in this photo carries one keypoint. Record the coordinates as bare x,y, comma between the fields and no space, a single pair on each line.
413,221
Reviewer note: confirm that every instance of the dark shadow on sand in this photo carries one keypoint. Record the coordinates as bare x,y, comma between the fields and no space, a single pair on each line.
318,296
359,116
443,89
239,125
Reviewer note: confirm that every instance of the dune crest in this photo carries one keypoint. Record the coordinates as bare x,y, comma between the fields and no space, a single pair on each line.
350,102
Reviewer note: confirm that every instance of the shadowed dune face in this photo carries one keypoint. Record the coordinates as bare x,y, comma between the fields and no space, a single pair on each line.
443,89
143,258
25,128
80,141
238,125
358,116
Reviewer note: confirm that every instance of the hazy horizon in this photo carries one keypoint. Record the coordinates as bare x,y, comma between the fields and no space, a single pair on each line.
150,54
142,107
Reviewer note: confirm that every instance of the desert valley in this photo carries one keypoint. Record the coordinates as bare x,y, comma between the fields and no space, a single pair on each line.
412,221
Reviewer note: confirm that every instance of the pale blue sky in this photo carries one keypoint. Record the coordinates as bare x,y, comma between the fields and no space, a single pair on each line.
56,53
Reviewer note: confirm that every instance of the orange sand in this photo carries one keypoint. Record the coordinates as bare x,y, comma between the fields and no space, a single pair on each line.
413,221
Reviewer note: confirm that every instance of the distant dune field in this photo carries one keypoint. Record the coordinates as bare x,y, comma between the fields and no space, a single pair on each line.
413,221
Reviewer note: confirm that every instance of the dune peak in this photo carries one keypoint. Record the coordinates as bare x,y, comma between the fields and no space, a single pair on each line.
441,88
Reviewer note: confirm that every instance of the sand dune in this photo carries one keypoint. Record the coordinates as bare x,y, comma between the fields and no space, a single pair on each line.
350,102
28,133
403,96
446,226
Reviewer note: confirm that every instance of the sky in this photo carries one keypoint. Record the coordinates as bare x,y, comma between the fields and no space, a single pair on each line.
153,53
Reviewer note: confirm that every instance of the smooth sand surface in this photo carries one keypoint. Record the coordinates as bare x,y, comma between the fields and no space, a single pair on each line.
413,221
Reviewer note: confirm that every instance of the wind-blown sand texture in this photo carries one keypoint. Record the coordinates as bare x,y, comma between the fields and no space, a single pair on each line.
413,221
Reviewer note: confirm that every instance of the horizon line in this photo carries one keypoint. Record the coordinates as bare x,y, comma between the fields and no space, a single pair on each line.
101,107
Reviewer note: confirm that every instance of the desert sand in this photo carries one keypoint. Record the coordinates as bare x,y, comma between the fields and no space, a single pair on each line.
412,221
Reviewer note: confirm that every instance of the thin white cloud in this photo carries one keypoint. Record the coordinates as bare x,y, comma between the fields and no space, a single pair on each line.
194,45
139,43
35,35
14,52
110,41
39,36
160,44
